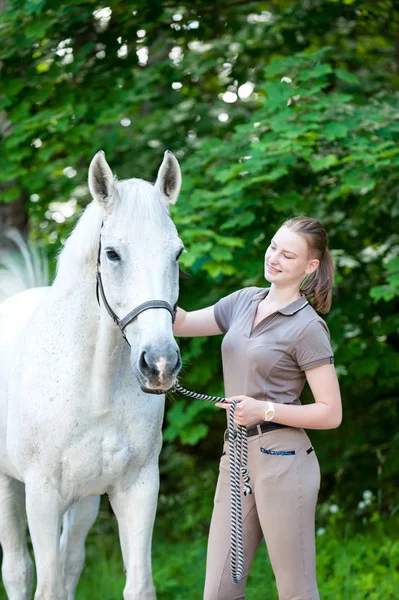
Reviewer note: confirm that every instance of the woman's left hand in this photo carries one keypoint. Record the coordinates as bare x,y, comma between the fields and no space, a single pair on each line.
248,410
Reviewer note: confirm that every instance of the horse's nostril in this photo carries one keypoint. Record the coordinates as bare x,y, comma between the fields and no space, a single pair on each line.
142,361
178,360
159,366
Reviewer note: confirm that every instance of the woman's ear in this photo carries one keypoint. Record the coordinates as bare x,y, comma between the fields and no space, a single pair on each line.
312,266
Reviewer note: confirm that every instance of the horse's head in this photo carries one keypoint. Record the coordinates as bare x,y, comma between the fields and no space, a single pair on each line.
140,249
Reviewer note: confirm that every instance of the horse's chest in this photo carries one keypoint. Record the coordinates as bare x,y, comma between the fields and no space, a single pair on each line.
96,459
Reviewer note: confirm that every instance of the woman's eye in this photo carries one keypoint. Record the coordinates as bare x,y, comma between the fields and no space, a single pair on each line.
112,255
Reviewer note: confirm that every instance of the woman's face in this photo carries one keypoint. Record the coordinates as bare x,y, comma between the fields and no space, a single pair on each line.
287,258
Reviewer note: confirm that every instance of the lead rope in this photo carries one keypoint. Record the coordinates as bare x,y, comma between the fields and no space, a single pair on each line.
238,451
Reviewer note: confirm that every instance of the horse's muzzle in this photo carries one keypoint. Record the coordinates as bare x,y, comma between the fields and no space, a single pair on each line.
157,372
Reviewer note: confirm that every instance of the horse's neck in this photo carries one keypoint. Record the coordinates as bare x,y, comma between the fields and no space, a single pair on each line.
97,331
108,348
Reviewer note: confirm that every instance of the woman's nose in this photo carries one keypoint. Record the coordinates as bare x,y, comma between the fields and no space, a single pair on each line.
273,258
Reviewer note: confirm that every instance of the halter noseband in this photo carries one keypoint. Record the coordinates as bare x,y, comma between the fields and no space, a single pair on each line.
122,323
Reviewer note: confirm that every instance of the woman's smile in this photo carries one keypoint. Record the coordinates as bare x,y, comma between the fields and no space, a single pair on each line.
272,269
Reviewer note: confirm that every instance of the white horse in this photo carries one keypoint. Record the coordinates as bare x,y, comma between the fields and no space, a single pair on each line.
80,409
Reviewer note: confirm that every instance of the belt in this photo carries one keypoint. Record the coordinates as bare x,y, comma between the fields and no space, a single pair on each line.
261,428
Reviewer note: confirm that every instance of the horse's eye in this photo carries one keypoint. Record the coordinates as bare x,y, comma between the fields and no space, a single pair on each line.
112,255
179,253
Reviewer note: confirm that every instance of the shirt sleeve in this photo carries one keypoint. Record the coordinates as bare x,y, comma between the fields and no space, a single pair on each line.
224,309
313,346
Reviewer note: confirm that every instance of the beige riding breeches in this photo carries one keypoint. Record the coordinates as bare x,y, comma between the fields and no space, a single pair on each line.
285,479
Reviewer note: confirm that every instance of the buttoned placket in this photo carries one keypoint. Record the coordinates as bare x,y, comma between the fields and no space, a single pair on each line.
267,320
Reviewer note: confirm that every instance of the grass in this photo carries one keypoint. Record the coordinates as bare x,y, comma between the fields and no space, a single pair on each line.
361,565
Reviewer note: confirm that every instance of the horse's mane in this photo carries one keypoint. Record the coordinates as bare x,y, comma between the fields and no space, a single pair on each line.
79,247
139,205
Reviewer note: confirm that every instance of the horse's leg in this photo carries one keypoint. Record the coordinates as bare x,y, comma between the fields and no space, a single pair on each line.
76,524
17,569
45,507
135,511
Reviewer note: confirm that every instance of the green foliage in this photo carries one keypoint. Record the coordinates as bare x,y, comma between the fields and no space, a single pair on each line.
182,422
391,289
338,148
316,136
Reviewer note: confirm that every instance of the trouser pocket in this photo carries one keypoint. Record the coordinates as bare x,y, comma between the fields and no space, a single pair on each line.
277,452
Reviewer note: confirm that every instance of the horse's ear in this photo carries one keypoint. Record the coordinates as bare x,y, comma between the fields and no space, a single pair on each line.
101,181
169,178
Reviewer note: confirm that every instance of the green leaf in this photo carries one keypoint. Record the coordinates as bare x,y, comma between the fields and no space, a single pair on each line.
335,130
346,76
383,292
318,164
271,175
315,72
36,28
393,265
288,201
277,94
220,253
192,435
43,67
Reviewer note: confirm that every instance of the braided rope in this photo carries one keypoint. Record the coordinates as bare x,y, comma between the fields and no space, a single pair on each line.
238,451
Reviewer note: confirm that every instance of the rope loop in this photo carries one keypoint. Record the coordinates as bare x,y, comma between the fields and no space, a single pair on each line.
247,490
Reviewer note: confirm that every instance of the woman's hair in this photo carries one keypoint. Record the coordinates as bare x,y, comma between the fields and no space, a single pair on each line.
317,287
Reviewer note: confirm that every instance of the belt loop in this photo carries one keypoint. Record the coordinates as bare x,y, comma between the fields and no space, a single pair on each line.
259,429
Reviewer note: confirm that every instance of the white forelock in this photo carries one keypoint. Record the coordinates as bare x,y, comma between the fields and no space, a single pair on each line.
140,203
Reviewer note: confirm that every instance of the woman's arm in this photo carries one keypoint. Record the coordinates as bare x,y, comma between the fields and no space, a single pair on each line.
195,323
325,413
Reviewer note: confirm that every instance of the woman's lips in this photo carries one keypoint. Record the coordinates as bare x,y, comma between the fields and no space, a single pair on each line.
272,270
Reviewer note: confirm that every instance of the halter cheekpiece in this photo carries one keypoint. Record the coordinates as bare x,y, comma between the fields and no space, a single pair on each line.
123,323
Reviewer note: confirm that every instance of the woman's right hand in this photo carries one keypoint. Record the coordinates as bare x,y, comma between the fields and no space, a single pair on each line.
196,323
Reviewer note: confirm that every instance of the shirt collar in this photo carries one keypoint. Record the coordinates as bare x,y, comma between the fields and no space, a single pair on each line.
288,310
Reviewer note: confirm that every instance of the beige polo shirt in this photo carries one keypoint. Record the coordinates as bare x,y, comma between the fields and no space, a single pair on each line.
269,362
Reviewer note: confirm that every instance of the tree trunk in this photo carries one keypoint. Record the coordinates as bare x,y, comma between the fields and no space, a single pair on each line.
14,214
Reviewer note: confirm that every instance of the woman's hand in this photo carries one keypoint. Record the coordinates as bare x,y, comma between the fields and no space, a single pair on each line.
248,410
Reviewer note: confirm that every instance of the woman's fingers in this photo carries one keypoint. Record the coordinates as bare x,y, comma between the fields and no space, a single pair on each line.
228,401
222,405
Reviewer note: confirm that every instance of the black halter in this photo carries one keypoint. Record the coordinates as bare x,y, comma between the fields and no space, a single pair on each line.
122,323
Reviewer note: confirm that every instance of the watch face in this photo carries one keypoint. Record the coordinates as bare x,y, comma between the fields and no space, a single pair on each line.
269,412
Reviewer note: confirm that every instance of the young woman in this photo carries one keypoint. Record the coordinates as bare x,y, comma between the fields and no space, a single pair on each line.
274,342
